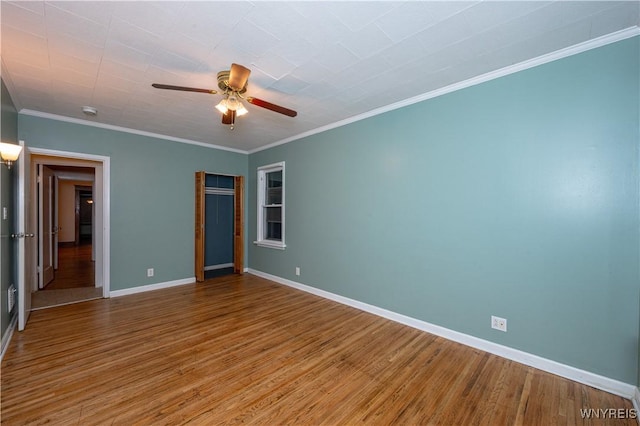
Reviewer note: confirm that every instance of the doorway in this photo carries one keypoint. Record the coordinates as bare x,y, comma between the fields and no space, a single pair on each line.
66,233
27,219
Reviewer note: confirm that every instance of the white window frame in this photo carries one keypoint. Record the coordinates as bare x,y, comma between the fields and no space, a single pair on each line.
261,184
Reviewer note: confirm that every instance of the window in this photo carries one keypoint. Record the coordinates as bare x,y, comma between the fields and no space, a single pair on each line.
271,206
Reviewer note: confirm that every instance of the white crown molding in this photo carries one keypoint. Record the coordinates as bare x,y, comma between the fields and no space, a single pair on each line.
125,130
511,69
586,377
543,59
151,287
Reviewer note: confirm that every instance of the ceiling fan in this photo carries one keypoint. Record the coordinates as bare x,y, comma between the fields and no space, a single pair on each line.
233,84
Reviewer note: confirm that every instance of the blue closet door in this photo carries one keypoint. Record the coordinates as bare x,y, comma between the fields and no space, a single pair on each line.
218,230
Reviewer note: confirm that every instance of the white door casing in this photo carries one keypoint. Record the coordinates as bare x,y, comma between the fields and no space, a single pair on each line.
101,205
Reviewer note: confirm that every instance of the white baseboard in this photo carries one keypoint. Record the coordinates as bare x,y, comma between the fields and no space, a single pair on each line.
151,287
8,334
636,402
581,376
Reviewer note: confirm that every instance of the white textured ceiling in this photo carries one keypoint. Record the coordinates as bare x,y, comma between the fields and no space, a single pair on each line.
329,61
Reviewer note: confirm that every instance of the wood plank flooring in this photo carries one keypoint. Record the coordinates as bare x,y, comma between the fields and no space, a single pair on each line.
74,280
75,268
242,349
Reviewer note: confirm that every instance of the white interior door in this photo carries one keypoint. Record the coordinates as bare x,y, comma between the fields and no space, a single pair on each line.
25,228
45,226
54,217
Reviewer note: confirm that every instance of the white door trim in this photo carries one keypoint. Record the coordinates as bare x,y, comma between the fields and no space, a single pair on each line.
102,219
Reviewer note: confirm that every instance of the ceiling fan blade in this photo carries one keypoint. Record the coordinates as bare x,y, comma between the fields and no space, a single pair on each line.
238,77
229,117
272,107
184,89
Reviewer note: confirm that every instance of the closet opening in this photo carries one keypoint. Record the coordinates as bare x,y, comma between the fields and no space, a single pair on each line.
219,235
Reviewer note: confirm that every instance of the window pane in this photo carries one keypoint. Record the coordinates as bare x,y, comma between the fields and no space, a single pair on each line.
273,223
274,188
218,181
274,214
271,206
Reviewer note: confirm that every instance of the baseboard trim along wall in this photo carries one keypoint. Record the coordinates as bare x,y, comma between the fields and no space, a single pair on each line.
581,376
8,334
151,287
636,402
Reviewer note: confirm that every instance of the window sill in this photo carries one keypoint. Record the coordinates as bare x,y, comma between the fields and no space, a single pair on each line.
271,244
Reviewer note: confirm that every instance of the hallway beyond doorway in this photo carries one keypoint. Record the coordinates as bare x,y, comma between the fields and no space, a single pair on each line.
75,267
74,279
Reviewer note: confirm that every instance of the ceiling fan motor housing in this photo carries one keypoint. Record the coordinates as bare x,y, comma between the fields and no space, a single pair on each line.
223,83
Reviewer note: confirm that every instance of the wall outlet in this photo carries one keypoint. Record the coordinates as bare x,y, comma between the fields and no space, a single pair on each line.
499,323
5,213
150,272
298,270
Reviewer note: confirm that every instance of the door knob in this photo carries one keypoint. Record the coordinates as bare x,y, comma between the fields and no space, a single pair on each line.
22,235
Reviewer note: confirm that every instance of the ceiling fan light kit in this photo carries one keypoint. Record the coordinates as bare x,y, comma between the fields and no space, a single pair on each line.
233,84
232,103
241,110
222,106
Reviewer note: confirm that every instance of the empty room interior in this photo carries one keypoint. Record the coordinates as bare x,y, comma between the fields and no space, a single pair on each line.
310,212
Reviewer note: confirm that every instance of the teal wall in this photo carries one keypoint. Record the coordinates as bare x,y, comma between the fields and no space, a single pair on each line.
8,134
152,194
517,197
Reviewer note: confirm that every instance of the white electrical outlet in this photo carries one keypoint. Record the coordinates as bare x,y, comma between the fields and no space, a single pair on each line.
5,213
499,323
297,270
150,272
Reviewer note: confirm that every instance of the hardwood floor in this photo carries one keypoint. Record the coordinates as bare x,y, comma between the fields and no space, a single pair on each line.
242,349
74,280
75,268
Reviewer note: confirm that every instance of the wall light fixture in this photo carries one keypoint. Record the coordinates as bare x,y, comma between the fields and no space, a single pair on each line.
9,153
